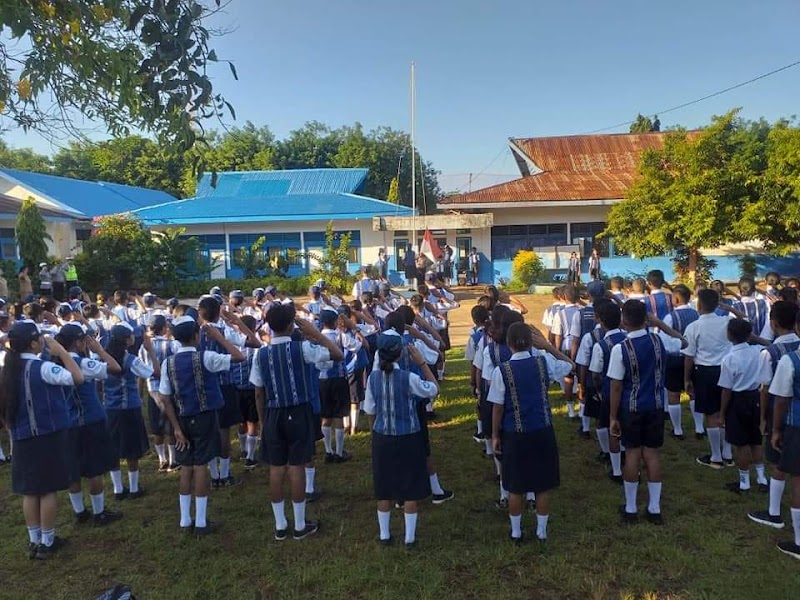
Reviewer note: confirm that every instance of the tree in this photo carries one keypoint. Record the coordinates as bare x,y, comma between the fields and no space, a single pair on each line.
644,124
127,64
690,194
23,159
394,191
176,257
31,233
252,259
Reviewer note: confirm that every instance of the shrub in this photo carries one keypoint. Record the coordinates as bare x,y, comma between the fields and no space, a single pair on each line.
680,266
526,269
291,286
748,265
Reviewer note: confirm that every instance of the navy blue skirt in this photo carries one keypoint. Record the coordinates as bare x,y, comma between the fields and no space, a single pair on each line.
399,467
41,464
530,461
92,451
128,434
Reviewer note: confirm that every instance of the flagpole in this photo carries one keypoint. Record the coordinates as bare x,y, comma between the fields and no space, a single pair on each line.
413,160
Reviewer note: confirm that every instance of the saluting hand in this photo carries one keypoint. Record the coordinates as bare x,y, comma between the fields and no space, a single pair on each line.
416,356
212,332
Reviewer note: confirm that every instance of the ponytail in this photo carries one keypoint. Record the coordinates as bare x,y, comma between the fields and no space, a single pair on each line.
386,366
117,348
10,377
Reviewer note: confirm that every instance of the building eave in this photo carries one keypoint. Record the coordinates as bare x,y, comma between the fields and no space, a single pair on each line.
529,204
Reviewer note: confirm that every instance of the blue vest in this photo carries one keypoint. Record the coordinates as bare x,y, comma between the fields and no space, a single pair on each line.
240,372
527,407
122,391
163,350
284,374
793,414
659,304
195,389
776,351
756,312
587,320
723,313
499,353
597,336
206,343
85,407
476,336
339,369
41,407
680,321
644,358
606,344
395,408
313,389
405,362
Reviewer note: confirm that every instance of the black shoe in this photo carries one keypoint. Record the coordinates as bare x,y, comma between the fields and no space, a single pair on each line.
584,435
654,518
330,458
44,552
311,528
173,467
733,486
602,457
762,517
243,455
501,504
210,528
789,548
516,540
187,530
280,534
532,506
618,479
700,436
677,436
32,550
216,484
106,517
122,496
432,416
313,496
229,481
410,546
137,494
82,517
400,504
442,498
728,462
478,437
707,462
385,543
763,487
343,457
163,467
250,464
628,518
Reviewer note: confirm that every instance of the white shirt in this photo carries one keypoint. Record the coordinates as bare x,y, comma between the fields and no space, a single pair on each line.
213,361
637,296
556,371
95,370
584,355
575,326
766,331
51,372
429,355
616,367
741,369
416,387
312,355
707,340
472,346
558,323
477,362
766,360
783,382
597,362
668,319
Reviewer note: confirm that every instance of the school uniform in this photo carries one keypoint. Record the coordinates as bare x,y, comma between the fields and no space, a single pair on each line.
334,389
583,358
658,303
229,414
707,343
39,431
163,348
530,452
637,296
769,358
741,372
583,322
365,284
679,320
124,409
283,370
756,310
132,317
639,362
494,355
240,377
785,384
601,354
619,295
549,314
475,335
562,325
196,406
399,463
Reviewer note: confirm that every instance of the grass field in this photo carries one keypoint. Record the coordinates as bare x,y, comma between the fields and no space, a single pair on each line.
707,547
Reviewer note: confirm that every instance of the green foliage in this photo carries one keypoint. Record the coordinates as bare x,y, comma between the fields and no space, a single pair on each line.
526,269
332,263
176,257
31,233
748,266
394,191
292,286
644,124
703,269
23,159
252,259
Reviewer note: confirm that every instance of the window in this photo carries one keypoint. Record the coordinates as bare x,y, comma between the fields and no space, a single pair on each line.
401,233
507,240
81,235
6,232
315,243
588,232
8,244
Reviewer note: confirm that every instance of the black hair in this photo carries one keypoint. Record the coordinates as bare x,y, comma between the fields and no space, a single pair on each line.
682,292
345,310
788,294
280,317
708,299
208,309
493,293
120,297
656,278
773,278
250,322
571,294
784,314
408,314
519,337
793,280
739,330
417,301
717,283
327,318
184,335
397,321
608,314
634,313
479,315
10,379
486,302
618,280
33,311
65,341
90,311
117,348
507,318
747,285
49,304
159,324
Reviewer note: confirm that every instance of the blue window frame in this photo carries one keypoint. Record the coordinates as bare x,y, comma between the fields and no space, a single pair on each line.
8,244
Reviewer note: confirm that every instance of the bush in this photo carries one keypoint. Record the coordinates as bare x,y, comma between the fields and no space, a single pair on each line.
748,265
526,269
291,286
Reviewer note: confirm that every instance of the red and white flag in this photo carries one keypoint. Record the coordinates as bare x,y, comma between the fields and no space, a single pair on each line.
430,247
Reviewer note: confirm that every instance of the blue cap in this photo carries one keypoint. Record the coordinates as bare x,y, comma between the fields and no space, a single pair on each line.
157,321
215,290
237,294
172,302
75,290
184,326
271,290
23,331
314,290
121,331
258,293
596,289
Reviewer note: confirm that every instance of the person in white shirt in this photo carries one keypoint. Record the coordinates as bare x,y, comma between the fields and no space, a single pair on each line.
563,333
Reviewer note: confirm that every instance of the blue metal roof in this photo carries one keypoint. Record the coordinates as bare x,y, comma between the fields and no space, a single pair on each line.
87,198
282,183
242,209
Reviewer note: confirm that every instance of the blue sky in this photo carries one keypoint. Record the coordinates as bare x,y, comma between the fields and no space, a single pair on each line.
488,70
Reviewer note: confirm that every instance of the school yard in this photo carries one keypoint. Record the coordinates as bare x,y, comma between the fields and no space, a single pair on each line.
707,548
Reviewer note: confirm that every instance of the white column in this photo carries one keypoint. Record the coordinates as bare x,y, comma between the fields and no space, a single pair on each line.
227,253
303,260
569,232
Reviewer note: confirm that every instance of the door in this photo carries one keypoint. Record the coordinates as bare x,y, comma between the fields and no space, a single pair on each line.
400,255
217,258
463,246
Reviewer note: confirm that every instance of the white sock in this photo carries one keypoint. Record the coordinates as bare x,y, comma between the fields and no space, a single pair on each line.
383,524
586,422
353,417
250,444
3,456
326,438
116,481
76,499
698,418
516,525
98,503
541,526
185,501
200,508
727,451
630,496
675,417
243,442
411,527
603,440
776,487
162,455
479,429
224,468
761,475
489,448
654,490
715,443
795,524
133,481
339,441
346,422
35,535
299,509
744,479
311,473
571,409
212,465
581,408
498,467
435,487
616,463
171,451
280,515
530,496
503,492
48,537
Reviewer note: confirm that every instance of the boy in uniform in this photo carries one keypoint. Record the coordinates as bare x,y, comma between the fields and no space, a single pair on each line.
679,318
562,330
658,302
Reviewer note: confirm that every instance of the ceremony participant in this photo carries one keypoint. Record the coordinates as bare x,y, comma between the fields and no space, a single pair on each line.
618,288
563,333
584,324
190,397
679,318
752,304
474,262
638,290
398,445
281,374
740,413
658,301
480,320
240,375
522,423
34,409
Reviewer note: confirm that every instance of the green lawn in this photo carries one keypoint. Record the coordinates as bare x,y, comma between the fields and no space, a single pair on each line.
707,547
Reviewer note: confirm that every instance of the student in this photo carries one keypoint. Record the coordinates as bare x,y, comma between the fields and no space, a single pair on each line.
563,332
786,294
160,427
33,406
584,324
679,318
638,290
659,301
192,410
783,318
574,269
618,288
365,284
522,424
480,319
637,367
752,304
92,451
474,260
707,345
772,282
316,304
280,374
398,445
591,404
240,376
548,318
740,413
